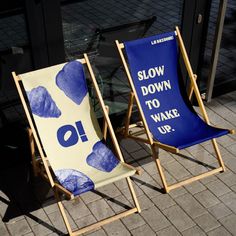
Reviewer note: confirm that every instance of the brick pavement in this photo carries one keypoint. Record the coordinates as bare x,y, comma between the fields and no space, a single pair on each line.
205,207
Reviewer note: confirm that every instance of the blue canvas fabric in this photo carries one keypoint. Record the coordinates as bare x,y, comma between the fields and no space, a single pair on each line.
153,65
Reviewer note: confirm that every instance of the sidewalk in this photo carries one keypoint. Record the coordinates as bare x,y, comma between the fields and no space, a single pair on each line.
206,207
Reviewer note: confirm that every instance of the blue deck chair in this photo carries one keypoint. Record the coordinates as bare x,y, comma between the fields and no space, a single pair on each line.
167,116
68,137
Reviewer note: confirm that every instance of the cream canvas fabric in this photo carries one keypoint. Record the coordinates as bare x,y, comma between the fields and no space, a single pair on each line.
68,128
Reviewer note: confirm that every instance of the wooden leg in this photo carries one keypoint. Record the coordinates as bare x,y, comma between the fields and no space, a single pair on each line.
158,164
128,115
32,152
105,125
63,213
133,194
218,155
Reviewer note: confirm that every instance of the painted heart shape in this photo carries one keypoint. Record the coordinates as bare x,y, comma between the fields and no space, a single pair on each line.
102,158
71,80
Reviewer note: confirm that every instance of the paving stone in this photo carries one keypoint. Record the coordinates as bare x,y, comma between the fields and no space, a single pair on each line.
155,219
206,198
169,178
45,228
177,170
133,221
166,157
99,232
225,141
116,228
151,189
143,230
37,217
219,211
229,200
85,221
100,209
195,187
195,230
220,231
233,188
119,204
197,170
178,218
137,189
205,157
217,188
130,145
207,222
58,223
121,184
187,160
150,167
141,156
145,202
19,227
232,148
29,234
10,212
190,205
50,207
229,160
208,179
194,149
90,197
169,231
228,177
3,229
177,192
163,201
76,208
142,179
109,190
229,223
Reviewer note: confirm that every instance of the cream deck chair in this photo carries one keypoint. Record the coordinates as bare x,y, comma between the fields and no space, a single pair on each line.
66,132
167,116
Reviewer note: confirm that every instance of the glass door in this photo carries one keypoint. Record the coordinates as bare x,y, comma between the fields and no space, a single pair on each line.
218,74
92,26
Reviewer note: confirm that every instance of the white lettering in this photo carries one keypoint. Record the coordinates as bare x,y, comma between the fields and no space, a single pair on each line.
156,87
164,129
156,41
140,75
151,73
152,103
166,115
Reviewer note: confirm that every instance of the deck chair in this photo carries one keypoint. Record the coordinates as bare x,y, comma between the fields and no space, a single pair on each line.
72,148
167,116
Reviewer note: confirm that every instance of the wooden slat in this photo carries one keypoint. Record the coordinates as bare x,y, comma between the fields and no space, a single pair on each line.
105,221
16,79
129,113
190,180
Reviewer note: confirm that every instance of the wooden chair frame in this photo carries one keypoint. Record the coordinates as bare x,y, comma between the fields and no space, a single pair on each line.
46,173
149,140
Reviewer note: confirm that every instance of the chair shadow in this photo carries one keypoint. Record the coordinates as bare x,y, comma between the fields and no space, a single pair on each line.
17,183
105,196
160,190
146,159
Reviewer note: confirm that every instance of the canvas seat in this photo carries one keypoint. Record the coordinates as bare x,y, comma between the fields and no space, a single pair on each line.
168,117
68,137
